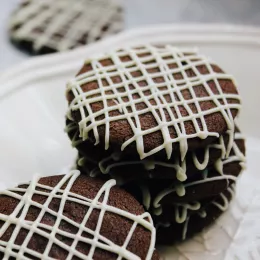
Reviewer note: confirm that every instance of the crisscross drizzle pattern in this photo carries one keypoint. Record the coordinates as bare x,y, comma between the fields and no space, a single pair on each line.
153,79
25,198
65,24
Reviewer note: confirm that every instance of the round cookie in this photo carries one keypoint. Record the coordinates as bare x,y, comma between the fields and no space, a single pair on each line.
41,27
152,100
73,216
192,221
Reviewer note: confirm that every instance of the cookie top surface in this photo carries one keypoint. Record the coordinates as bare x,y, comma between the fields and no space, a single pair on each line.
152,99
74,216
54,26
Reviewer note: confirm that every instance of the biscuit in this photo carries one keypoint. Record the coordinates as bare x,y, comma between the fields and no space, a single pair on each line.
73,216
41,27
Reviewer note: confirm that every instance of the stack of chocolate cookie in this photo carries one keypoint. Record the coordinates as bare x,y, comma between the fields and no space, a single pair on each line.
160,120
42,27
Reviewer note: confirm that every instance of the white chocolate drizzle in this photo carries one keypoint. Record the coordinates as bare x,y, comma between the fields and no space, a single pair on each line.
146,196
180,190
144,59
25,197
64,23
181,210
201,212
185,228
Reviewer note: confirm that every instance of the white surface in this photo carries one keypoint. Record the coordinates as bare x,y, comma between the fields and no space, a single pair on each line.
32,109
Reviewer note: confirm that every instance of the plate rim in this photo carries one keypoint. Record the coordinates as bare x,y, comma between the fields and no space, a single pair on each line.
41,66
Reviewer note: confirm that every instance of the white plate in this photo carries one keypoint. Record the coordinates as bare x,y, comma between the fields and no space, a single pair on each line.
32,109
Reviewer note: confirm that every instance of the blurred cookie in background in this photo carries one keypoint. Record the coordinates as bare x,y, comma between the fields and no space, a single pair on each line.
42,27
161,121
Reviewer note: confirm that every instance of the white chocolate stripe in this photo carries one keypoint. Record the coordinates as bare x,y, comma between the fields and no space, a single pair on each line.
185,228
225,205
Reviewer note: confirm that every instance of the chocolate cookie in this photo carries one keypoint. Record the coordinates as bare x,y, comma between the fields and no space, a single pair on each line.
152,100
73,216
41,27
192,218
